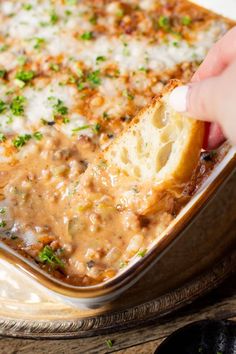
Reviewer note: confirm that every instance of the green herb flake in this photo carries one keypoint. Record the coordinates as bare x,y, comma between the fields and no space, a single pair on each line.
94,77
2,210
22,59
82,127
164,22
66,120
100,59
58,107
38,43
21,140
71,2
27,7
3,73
142,253
3,48
19,83
186,21
119,13
25,76
96,128
109,343
105,115
80,72
3,223
47,255
126,51
80,86
142,68
87,36
3,106
2,138
14,237
93,20
17,105
128,95
53,17
54,67
38,136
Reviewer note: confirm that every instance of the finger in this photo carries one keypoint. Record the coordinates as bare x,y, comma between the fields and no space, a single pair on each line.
219,57
213,136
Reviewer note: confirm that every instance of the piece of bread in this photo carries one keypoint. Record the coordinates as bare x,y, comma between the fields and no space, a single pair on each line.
160,148
159,145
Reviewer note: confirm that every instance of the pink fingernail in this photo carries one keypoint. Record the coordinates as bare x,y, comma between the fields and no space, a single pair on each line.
178,98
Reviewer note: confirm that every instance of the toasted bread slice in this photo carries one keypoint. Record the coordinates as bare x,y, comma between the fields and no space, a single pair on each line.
160,146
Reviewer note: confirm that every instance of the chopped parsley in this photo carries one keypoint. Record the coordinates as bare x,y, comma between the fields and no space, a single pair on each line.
109,343
186,21
3,73
2,210
120,13
17,105
126,51
3,48
47,255
53,17
3,106
22,59
142,253
27,7
59,107
71,2
96,128
38,135
105,115
82,127
164,22
93,19
54,67
87,36
128,94
94,77
80,86
66,120
100,59
25,76
2,138
38,43
21,140
3,223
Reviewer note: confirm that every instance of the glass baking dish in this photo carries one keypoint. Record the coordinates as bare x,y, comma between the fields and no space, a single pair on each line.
97,295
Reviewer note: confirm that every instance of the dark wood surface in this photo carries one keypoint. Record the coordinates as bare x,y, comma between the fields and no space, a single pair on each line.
219,304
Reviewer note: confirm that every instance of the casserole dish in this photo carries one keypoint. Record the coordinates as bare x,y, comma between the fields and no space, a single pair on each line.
96,295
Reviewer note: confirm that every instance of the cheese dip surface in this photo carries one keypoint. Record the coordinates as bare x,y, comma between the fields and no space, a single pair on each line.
72,76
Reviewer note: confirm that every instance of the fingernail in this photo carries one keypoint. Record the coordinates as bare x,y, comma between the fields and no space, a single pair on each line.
178,98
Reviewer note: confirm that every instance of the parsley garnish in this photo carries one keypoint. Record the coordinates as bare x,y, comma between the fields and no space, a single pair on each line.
2,138
109,343
38,135
3,48
3,73
59,107
164,22
25,76
3,223
142,253
38,43
54,67
17,105
93,19
21,140
71,2
3,106
47,255
186,20
96,128
100,59
94,77
128,94
2,210
27,7
87,36
22,60
82,127
53,17
80,86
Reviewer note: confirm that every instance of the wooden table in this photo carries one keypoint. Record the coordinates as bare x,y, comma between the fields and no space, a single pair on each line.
219,304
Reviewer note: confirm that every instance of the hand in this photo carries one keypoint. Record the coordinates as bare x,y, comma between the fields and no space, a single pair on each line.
211,96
